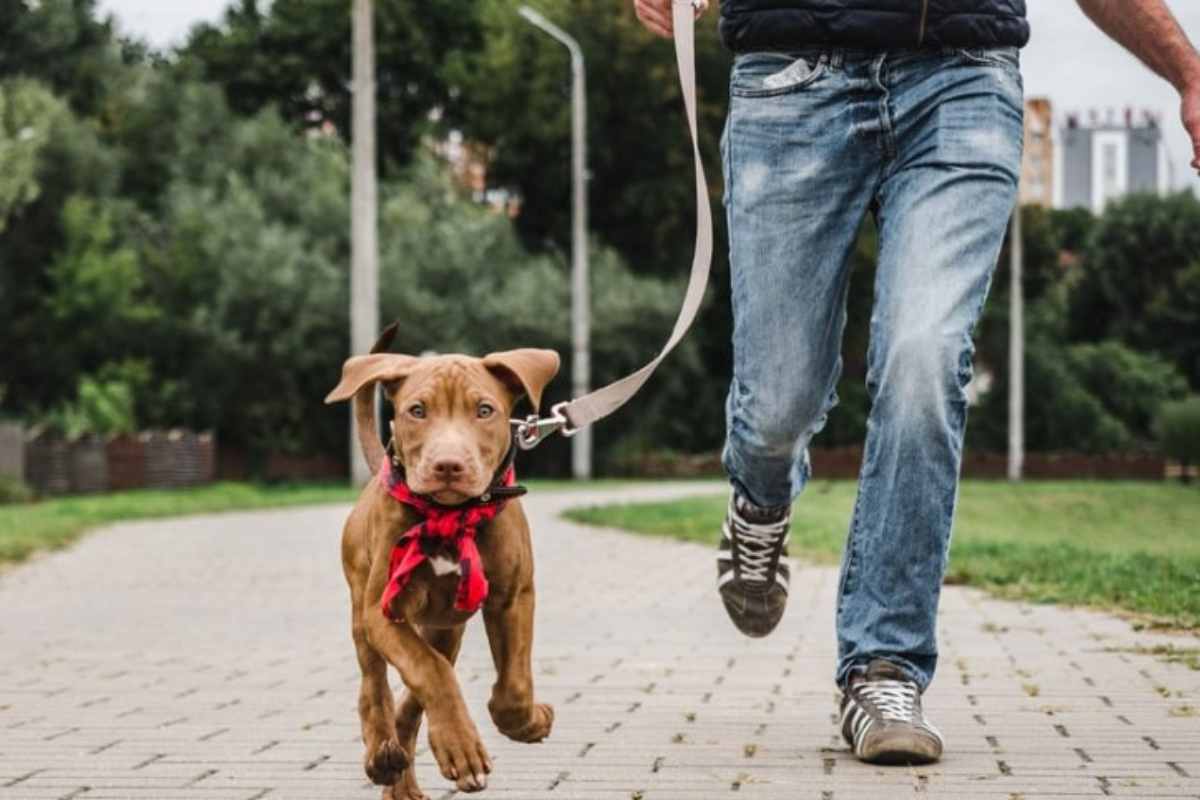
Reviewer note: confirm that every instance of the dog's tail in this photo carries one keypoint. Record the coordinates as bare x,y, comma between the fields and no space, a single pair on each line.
364,409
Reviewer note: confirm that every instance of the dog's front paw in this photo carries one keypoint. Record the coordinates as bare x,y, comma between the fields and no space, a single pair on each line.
530,726
386,762
460,754
401,792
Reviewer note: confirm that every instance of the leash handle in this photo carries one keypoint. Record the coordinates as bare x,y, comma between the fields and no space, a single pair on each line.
568,417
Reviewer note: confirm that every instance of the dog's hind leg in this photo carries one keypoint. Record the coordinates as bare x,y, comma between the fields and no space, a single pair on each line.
446,641
510,636
385,759
408,723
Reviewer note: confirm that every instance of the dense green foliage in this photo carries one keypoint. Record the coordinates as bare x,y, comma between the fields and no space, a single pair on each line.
171,261
1091,387
1179,430
295,56
1141,279
1119,545
174,231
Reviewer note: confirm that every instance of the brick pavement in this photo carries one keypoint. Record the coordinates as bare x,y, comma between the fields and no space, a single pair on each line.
209,659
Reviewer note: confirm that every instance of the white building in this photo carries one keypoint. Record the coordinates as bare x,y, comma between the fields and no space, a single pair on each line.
1102,160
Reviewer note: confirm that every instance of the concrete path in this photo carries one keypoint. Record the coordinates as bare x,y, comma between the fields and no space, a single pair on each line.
209,659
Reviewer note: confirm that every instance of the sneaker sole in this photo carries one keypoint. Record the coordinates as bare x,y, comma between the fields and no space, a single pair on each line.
900,749
754,626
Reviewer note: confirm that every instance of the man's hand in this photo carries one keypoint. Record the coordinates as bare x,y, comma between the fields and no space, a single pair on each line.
1147,29
1191,119
656,15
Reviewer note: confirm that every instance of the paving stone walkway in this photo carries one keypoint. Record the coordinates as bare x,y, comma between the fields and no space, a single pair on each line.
209,659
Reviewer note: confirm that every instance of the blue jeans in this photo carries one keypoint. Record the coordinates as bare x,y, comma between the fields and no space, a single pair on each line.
931,142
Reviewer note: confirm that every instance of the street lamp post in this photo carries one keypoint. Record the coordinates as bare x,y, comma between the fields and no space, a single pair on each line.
364,246
581,444
1016,352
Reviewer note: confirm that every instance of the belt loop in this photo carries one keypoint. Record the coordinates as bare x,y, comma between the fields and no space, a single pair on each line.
837,58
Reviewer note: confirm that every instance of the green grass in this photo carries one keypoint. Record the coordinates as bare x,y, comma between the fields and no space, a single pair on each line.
51,524
1115,545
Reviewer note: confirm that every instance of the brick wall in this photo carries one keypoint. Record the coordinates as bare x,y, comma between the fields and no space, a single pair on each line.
236,465
153,459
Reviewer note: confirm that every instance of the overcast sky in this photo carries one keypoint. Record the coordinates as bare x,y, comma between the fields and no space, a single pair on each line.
1068,60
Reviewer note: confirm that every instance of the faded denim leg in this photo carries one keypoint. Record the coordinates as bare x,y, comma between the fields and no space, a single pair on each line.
944,203
801,162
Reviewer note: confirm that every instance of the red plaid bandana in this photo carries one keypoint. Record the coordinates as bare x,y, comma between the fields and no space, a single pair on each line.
445,530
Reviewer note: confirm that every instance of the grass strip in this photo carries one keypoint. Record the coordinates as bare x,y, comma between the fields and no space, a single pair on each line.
1115,545
26,528
50,524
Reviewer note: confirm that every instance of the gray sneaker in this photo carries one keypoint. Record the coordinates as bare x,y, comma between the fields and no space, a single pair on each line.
752,576
882,719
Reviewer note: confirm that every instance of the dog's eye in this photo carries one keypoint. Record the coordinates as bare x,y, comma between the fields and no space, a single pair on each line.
417,410
486,410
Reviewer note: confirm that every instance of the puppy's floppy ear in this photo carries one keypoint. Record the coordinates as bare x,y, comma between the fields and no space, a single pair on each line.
360,374
360,371
525,372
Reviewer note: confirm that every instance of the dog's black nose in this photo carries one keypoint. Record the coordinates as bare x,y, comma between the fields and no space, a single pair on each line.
449,468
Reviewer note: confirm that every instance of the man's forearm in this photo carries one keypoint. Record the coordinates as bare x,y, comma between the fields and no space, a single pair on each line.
1149,30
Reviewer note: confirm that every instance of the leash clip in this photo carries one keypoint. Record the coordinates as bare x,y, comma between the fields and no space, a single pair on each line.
533,430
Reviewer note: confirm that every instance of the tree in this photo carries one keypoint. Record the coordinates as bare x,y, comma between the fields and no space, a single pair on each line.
70,160
27,114
640,165
1087,397
97,287
67,46
1073,226
295,55
247,259
1141,279
1131,385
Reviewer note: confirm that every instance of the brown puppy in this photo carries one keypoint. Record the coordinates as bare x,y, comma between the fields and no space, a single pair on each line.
451,433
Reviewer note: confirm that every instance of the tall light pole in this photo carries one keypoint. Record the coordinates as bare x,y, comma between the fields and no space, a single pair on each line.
1016,352
581,444
364,235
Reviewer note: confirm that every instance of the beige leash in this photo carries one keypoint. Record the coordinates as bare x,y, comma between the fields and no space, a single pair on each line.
568,417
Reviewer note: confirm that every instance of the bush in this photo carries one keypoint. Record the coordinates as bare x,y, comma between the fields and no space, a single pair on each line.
1178,430
1131,385
1062,412
1140,279
102,407
1094,397
14,490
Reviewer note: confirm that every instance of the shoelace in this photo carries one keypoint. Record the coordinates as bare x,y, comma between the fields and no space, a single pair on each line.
895,700
757,543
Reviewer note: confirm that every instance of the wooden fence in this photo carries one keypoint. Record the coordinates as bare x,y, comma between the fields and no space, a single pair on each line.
148,460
